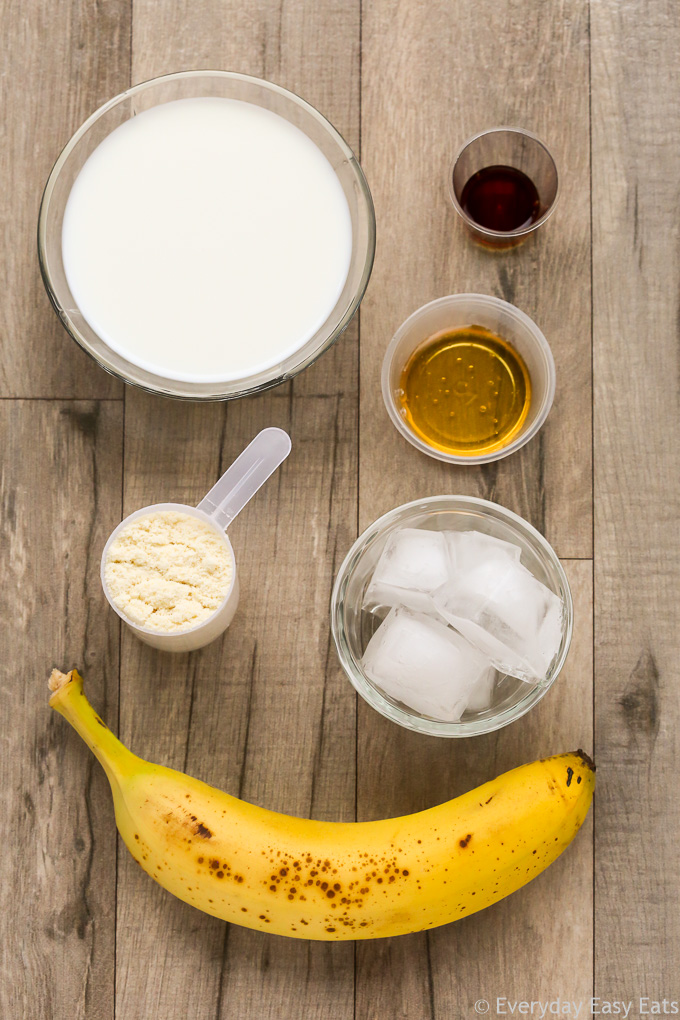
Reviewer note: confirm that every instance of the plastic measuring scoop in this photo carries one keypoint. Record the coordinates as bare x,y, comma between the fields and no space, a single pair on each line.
247,474
218,508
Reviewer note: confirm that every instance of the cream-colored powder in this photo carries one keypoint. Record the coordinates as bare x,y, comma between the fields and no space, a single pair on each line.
168,571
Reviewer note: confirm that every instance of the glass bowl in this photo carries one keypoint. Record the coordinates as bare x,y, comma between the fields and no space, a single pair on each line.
453,312
352,627
190,84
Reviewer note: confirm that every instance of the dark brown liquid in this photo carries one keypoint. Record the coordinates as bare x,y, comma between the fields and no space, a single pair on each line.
501,198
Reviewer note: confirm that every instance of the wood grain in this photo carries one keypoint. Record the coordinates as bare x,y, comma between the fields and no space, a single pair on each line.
434,74
504,950
266,713
60,61
636,274
60,487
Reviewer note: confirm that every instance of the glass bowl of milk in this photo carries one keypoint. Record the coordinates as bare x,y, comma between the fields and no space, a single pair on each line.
206,235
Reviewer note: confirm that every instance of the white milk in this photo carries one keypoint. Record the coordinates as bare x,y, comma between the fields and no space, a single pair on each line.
206,239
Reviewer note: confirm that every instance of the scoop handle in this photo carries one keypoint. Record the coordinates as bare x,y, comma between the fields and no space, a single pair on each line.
247,474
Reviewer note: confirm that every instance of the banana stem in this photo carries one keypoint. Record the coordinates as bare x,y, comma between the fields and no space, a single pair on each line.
69,700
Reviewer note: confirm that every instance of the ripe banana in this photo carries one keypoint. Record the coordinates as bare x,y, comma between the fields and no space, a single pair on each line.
330,880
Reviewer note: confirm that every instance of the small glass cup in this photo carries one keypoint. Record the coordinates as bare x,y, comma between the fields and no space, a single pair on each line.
516,148
352,627
500,317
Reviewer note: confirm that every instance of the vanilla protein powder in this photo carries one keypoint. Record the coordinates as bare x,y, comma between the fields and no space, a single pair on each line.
168,571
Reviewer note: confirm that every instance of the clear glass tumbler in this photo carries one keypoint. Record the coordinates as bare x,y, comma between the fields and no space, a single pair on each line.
507,147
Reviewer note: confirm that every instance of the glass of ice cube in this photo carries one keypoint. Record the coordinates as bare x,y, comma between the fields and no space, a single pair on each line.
353,625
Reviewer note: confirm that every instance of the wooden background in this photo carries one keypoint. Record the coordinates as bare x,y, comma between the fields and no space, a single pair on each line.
267,712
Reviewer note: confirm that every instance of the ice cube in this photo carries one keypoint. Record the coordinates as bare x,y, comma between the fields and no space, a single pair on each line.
468,548
422,663
413,563
507,614
481,694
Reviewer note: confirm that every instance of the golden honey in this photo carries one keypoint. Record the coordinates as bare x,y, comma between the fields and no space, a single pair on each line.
465,391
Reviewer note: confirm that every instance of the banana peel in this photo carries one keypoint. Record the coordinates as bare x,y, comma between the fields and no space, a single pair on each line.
334,880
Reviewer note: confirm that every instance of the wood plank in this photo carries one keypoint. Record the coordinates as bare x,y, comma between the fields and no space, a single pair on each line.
636,273
60,62
61,492
536,944
432,76
266,712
